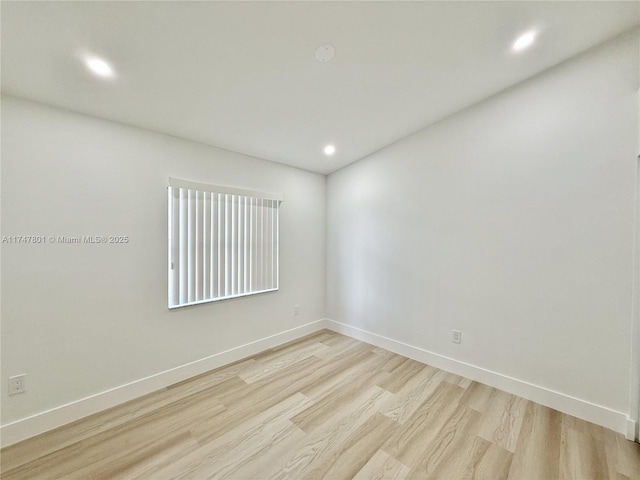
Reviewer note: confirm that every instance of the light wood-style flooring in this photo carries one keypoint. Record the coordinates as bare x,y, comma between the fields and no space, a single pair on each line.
326,406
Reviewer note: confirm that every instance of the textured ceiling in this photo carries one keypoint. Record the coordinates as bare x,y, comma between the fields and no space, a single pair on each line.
243,75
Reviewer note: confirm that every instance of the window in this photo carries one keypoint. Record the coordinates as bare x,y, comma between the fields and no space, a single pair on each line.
223,242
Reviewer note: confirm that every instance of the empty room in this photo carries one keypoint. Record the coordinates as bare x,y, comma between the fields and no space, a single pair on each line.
320,240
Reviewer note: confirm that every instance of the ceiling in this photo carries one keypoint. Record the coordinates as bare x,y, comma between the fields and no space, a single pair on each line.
243,75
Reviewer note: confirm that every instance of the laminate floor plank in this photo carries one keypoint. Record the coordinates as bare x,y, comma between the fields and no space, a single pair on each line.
413,394
493,463
479,396
455,379
255,467
151,466
281,359
383,352
382,466
627,455
465,382
393,362
441,453
408,443
401,375
337,349
107,468
582,456
343,374
335,340
356,451
325,441
245,440
247,404
326,406
503,420
317,337
537,453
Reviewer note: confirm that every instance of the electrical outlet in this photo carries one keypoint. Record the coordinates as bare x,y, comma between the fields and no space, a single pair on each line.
456,336
17,384
296,309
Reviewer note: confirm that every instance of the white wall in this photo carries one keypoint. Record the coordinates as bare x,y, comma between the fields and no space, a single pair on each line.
81,319
511,221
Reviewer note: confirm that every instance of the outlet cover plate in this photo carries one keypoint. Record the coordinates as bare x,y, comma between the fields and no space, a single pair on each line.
17,384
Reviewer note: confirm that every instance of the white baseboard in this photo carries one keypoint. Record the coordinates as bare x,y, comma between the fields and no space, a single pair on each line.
632,431
56,417
597,414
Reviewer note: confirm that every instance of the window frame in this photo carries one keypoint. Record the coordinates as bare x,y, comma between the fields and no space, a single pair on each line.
254,202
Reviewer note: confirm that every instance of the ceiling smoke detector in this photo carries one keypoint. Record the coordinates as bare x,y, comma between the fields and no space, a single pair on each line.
324,53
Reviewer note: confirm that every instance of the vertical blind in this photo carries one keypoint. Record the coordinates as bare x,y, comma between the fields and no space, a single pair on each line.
223,242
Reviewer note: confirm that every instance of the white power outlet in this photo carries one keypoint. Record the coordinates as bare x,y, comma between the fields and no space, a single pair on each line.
296,309
456,336
17,384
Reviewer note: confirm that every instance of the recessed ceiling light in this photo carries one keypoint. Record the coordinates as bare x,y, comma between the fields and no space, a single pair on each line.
329,150
99,67
525,40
